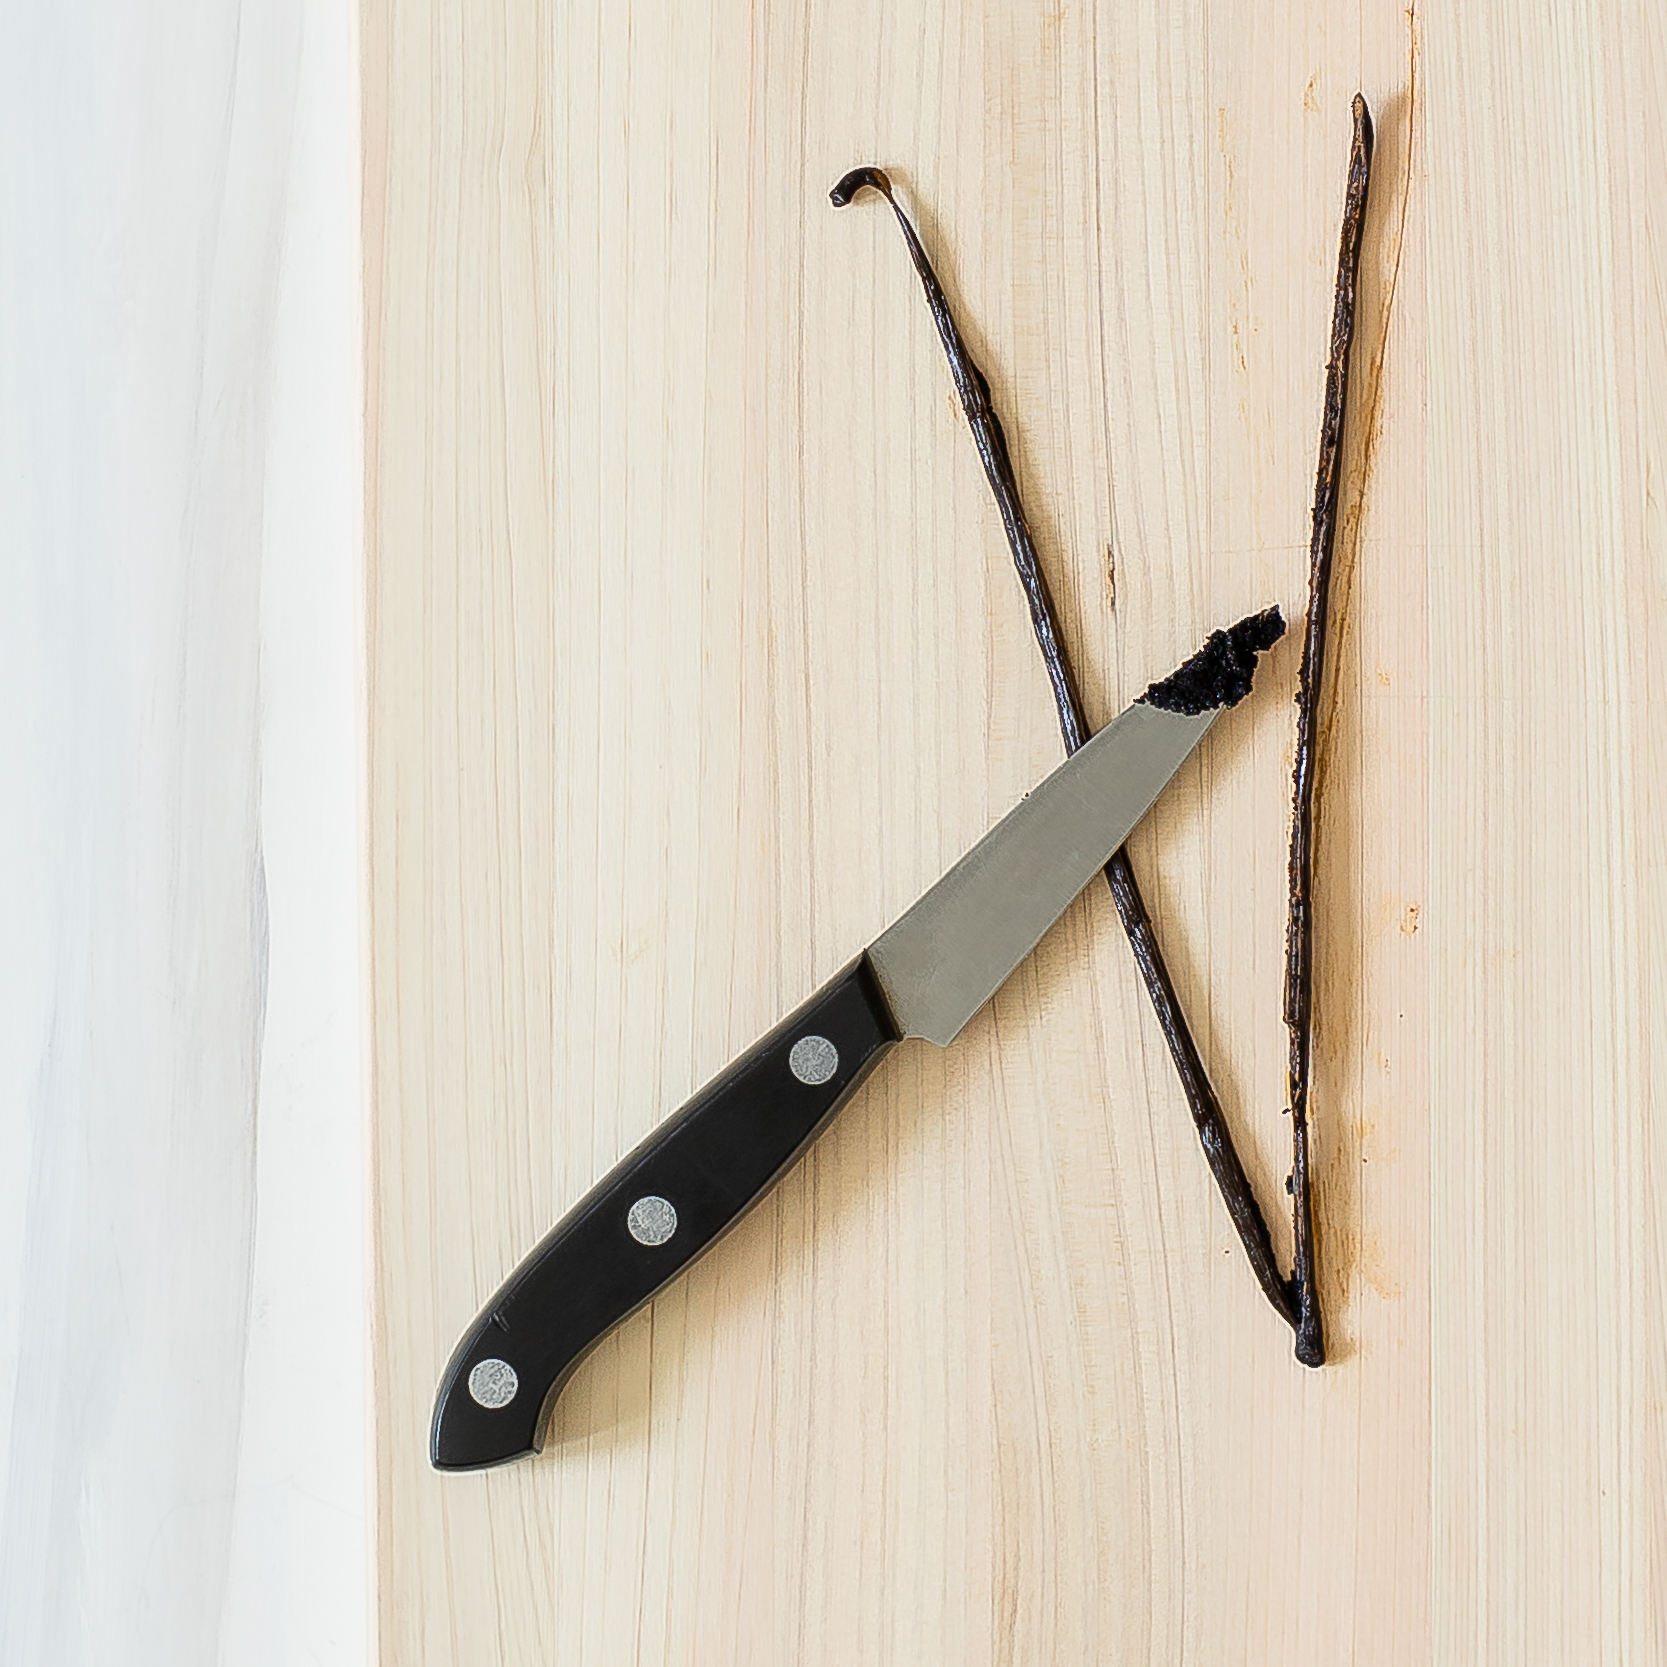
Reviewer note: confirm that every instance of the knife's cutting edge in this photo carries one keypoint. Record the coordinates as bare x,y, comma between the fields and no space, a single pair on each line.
958,944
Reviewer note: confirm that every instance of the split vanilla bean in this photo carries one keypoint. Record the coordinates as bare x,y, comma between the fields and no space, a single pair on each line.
1296,1300
1299,931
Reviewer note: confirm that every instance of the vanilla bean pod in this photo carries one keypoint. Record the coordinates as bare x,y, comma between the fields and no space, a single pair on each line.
1299,933
1296,1300
1217,1140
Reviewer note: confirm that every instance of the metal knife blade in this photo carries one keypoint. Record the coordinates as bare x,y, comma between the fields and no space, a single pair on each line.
701,1170
957,945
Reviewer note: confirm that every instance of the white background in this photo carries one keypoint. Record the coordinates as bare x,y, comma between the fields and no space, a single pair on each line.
182,1333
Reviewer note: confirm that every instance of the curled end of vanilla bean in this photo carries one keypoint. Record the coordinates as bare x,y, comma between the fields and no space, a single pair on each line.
860,179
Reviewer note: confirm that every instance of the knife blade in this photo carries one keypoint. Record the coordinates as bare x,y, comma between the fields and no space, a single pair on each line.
925,976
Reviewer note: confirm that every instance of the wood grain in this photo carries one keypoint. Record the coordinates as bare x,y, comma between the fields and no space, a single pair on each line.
695,655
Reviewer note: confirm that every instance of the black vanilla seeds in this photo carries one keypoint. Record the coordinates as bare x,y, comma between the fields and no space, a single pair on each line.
1220,673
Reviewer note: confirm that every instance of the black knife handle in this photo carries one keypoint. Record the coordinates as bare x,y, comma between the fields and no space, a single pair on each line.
641,1226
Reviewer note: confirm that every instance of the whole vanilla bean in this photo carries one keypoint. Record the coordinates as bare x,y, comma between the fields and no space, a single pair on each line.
1296,1300
988,435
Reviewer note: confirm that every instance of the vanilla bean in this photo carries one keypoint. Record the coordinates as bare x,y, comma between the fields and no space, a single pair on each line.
1296,1300
1299,934
1213,1133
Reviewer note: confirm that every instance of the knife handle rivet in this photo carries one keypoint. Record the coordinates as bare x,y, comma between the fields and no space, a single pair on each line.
492,1383
813,1059
651,1220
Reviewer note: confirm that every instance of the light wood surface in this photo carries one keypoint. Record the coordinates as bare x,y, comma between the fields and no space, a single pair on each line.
695,654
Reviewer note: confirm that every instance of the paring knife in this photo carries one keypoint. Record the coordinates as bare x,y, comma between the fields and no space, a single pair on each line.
925,976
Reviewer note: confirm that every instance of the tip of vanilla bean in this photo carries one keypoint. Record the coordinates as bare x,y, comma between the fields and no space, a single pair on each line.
848,187
1219,674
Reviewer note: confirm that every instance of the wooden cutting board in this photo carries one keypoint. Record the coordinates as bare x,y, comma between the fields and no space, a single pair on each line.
695,653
